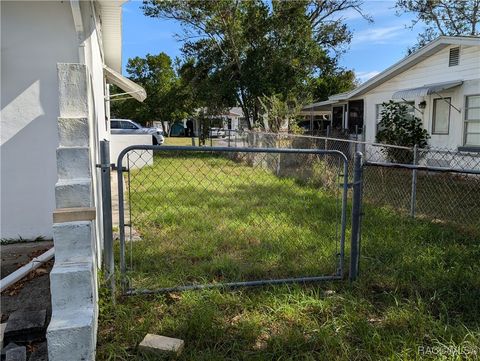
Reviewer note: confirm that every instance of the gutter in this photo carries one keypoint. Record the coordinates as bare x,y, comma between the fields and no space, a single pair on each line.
24,270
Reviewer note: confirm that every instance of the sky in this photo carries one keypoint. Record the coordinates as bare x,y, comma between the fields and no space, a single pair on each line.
374,47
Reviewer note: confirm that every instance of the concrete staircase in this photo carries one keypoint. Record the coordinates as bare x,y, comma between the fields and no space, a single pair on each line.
71,334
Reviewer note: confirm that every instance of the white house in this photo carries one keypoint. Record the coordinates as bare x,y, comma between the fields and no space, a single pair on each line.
441,82
57,58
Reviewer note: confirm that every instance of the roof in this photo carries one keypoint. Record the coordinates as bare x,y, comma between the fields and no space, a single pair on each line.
236,112
322,104
111,17
408,62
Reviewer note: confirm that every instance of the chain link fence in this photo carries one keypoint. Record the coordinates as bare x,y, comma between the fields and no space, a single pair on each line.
196,217
250,212
442,186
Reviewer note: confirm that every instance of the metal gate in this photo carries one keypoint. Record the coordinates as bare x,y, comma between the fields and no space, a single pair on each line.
205,217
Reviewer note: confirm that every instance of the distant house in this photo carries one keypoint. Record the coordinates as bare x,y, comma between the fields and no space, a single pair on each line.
441,84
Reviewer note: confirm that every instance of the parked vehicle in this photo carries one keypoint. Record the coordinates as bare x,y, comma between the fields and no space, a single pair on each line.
216,133
127,126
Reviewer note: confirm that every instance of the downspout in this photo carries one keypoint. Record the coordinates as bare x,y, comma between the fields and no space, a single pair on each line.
78,22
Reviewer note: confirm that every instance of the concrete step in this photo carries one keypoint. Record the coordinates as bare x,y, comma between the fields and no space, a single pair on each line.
73,132
73,162
70,335
73,241
71,285
75,192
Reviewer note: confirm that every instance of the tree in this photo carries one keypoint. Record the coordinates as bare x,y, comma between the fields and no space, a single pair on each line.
168,97
239,51
442,17
399,127
332,80
278,114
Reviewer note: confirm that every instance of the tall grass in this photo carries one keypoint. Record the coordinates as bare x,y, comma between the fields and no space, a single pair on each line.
212,219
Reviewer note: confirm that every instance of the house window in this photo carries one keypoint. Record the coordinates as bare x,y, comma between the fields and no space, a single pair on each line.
454,57
441,115
472,120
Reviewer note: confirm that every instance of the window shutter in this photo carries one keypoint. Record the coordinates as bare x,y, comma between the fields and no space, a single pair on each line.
454,57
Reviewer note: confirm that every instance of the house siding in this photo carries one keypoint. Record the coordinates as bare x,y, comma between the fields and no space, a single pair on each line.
432,70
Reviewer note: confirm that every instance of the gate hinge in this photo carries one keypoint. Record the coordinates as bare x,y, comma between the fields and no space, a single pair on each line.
106,166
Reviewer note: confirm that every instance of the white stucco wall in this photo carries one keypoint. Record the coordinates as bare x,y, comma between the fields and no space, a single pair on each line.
432,70
35,36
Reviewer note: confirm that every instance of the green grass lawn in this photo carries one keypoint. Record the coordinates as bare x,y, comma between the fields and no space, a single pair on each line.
179,141
212,219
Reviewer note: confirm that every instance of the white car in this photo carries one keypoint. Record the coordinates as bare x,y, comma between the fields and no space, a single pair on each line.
127,126
216,133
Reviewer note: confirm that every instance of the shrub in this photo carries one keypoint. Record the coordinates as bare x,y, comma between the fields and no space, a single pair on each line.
398,127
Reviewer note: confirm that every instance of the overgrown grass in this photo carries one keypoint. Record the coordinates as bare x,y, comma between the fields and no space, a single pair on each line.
442,197
419,284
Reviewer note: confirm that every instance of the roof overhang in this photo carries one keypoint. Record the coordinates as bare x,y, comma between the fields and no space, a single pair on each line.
111,17
319,106
129,87
408,62
315,112
425,90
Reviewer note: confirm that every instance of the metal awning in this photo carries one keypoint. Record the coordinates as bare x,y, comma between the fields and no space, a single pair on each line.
132,89
425,90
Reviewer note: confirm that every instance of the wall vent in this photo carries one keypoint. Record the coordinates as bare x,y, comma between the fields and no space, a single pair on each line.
454,57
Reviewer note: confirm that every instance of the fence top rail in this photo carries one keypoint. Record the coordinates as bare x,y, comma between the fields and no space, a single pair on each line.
228,150
331,138
459,152
422,167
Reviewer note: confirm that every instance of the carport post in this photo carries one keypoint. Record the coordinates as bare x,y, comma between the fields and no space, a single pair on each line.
105,167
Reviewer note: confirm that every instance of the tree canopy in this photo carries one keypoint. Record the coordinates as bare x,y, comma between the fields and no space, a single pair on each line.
237,52
442,17
169,99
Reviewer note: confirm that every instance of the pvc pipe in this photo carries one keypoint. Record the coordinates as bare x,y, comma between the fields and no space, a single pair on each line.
24,270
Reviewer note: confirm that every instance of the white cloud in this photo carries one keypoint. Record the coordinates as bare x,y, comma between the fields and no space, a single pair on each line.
363,76
379,35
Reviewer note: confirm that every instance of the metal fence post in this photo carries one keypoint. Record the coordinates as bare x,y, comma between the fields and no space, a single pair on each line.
413,197
121,221
105,166
356,138
356,216
326,139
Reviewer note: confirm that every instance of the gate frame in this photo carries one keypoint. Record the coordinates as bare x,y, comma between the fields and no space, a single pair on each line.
339,275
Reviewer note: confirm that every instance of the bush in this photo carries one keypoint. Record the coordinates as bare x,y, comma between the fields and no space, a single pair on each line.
398,127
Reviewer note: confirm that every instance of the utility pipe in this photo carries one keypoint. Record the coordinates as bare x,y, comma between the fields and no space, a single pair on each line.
24,270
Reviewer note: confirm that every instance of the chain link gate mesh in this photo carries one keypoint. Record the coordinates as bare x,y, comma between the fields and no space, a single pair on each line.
196,217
